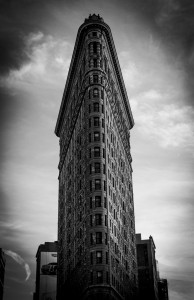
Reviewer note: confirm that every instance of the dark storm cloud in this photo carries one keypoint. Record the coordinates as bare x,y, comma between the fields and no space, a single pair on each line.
12,50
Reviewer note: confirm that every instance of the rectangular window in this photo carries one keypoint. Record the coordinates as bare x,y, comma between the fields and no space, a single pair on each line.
105,238
91,239
90,202
96,107
97,184
90,139
90,153
98,237
91,258
91,277
96,136
103,153
96,121
90,185
98,219
97,167
105,221
95,78
95,63
97,201
98,257
95,93
91,221
104,169
104,185
96,151
99,277
102,123
106,257
105,202
94,47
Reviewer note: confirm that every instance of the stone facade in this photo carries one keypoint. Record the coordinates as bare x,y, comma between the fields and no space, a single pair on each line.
96,225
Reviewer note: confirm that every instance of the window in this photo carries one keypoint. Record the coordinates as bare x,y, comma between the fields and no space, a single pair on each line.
96,121
94,47
105,220
90,153
90,185
97,167
96,107
96,151
105,204
97,184
96,136
95,93
98,257
98,219
91,277
102,123
103,153
95,63
91,258
95,78
91,238
105,238
97,201
90,202
94,33
98,237
106,257
99,277
104,169
102,94
90,138
91,220
89,122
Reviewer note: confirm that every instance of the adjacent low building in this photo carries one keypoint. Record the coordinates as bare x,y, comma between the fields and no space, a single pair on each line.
163,289
46,271
147,268
2,272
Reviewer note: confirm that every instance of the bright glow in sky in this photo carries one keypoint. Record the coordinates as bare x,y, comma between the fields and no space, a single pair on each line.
157,66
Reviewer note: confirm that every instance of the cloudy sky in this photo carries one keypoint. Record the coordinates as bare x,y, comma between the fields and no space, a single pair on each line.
155,45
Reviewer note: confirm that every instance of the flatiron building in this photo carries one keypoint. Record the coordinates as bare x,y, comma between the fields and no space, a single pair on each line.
96,226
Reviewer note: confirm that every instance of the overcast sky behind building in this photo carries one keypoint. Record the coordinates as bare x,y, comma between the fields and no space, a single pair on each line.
155,46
